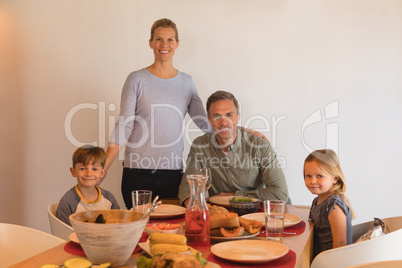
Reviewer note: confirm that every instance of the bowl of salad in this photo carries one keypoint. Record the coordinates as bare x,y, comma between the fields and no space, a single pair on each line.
244,205
108,236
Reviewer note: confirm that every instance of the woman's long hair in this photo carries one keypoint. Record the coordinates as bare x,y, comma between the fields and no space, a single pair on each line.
328,160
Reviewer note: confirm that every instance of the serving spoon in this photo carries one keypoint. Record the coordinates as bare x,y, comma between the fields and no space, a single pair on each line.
155,204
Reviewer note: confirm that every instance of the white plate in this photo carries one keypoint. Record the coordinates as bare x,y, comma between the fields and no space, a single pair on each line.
244,236
145,247
250,251
224,200
73,237
220,200
290,219
167,211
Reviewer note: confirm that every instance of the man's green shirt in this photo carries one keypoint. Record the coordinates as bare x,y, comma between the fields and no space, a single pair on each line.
250,167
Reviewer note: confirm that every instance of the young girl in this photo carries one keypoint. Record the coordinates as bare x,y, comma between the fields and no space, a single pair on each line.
330,211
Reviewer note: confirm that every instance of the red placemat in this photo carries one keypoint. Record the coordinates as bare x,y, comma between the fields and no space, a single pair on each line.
297,228
287,261
76,249
144,238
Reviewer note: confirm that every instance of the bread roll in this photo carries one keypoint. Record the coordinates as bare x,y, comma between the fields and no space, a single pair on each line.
251,226
227,220
214,209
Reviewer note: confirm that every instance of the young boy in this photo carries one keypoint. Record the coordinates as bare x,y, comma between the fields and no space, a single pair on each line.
88,168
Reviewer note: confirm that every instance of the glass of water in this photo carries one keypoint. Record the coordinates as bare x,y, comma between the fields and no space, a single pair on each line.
274,219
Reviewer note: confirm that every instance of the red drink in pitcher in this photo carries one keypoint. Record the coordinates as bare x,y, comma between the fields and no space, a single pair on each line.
197,229
197,214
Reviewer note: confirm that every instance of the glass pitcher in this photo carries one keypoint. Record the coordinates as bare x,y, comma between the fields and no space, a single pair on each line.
197,214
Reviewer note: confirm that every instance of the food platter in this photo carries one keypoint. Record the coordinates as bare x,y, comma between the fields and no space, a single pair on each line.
290,219
250,251
145,247
244,236
167,211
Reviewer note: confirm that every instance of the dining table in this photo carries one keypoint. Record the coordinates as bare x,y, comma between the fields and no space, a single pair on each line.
299,255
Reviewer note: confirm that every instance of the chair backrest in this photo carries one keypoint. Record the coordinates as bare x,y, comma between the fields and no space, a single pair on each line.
360,229
57,227
383,248
18,243
393,223
379,264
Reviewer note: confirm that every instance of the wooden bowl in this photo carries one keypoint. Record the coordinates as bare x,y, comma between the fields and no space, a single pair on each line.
113,241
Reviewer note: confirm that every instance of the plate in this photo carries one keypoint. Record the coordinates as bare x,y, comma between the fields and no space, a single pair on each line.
244,236
290,219
250,251
73,237
167,211
220,200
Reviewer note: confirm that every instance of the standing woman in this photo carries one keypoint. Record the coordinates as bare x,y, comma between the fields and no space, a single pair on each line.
154,102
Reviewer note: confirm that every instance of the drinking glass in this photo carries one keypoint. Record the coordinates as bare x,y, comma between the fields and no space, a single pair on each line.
141,200
274,219
206,172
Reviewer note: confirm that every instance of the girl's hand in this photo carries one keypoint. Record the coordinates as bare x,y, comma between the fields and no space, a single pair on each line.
254,132
337,220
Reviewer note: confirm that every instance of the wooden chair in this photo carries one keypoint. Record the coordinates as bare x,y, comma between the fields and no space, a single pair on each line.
18,243
379,264
383,248
57,227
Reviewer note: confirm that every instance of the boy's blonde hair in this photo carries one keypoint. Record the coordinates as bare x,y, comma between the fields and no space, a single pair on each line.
88,154
328,161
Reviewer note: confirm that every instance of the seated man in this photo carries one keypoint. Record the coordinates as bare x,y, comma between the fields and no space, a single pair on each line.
241,163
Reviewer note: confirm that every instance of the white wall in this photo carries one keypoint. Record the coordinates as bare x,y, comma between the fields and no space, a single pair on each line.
283,60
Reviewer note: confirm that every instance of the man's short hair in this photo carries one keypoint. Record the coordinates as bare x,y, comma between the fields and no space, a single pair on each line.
222,95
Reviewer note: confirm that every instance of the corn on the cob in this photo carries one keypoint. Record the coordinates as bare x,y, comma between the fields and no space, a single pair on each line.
165,248
162,238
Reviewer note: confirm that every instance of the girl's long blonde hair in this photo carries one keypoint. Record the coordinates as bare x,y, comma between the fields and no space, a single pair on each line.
328,160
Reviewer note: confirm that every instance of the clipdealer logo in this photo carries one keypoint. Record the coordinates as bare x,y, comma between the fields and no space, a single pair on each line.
267,126
329,112
101,107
